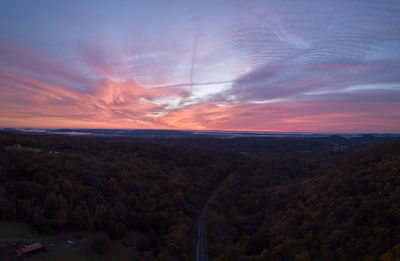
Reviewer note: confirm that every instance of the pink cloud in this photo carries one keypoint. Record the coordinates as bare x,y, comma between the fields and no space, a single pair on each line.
30,102
289,117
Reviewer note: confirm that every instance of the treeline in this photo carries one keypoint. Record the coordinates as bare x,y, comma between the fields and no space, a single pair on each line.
67,183
348,211
279,146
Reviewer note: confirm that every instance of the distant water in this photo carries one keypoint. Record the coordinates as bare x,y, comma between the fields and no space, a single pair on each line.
140,133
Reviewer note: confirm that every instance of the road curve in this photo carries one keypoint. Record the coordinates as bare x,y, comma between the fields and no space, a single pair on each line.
201,231
201,228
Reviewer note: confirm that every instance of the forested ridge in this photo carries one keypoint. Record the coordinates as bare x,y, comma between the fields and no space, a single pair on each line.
350,210
76,184
291,199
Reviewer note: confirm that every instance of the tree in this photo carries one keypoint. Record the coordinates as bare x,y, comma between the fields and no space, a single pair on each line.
303,256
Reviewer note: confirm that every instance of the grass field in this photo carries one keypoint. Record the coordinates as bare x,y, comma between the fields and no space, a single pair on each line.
57,247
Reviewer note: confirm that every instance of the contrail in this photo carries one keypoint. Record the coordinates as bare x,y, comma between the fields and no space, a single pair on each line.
193,62
189,84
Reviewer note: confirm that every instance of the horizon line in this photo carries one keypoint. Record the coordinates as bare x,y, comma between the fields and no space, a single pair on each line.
200,130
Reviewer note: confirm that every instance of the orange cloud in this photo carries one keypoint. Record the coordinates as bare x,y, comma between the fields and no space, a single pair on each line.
29,102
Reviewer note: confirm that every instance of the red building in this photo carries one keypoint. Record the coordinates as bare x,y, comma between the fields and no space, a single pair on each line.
29,249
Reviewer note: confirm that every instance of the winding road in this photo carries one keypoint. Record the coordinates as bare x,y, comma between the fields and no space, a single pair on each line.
201,228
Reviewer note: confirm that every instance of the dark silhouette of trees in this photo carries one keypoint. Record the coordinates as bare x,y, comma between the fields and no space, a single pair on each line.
347,209
292,198
109,185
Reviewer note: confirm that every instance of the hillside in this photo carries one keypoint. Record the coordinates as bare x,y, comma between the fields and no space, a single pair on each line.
291,199
350,212
82,184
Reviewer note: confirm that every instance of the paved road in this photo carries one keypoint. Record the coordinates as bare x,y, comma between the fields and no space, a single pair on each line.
201,229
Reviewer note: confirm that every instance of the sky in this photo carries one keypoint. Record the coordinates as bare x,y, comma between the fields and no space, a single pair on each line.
292,66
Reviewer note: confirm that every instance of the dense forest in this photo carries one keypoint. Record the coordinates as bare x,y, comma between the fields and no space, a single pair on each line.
65,183
290,198
348,210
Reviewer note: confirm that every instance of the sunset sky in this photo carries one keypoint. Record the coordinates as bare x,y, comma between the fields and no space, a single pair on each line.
309,66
